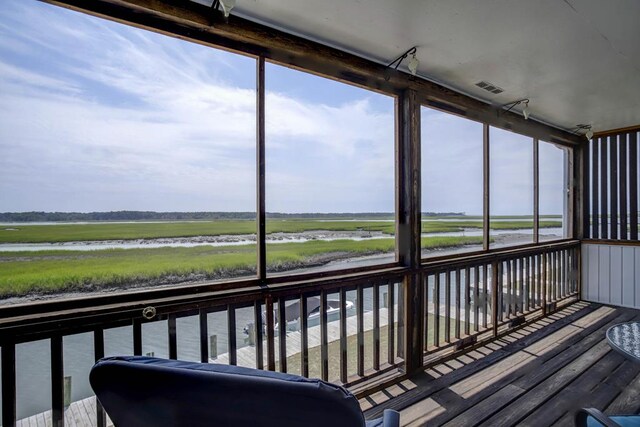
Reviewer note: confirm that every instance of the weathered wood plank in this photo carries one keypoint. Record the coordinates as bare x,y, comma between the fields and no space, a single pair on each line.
526,404
431,381
486,407
529,375
583,392
517,360
627,401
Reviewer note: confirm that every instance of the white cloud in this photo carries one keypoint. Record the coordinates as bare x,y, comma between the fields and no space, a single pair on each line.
98,116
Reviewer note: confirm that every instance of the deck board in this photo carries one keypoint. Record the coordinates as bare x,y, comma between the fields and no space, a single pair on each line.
538,375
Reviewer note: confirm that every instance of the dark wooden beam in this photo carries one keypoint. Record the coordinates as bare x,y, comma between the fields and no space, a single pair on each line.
536,191
408,204
261,172
8,384
57,382
410,337
191,21
573,216
486,186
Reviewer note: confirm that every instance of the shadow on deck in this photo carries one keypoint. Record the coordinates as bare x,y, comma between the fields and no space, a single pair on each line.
538,375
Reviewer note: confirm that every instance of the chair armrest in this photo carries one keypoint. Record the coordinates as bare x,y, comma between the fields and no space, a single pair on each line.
389,418
583,414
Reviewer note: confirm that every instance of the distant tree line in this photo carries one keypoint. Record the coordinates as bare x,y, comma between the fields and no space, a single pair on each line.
186,216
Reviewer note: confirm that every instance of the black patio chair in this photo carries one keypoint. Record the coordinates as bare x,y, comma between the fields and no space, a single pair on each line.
141,391
591,417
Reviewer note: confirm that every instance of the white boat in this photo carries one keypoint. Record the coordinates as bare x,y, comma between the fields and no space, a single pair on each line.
292,313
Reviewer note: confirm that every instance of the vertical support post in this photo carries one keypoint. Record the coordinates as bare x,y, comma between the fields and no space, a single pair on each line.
282,334
376,327
231,335
458,302
137,337
360,330
324,337
577,255
476,298
9,384
494,296
259,328
304,344
447,306
271,349
260,172
410,336
536,190
57,382
436,312
486,183
98,353
467,300
172,336
343,335
391,300
571,203
204,336
485,292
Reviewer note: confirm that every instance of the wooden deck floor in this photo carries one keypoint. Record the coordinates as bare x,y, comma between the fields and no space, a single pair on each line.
536,376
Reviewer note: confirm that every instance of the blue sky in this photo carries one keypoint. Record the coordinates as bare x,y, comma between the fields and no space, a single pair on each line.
98,116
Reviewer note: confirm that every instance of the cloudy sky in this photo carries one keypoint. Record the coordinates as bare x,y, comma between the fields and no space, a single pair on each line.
97,116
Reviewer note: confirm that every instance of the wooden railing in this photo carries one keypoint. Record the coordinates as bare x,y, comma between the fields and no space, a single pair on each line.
465,300
347,329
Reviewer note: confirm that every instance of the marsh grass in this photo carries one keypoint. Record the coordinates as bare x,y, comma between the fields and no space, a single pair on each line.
142,230
55,271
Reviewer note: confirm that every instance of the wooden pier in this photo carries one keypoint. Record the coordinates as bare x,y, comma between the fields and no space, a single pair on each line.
81,413
246,356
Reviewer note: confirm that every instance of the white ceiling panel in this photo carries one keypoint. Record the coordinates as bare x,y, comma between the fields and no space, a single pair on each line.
578,61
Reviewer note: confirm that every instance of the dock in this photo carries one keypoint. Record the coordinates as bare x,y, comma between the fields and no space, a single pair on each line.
81,413
246,356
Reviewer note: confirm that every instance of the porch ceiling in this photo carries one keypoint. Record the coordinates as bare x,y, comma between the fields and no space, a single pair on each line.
578,61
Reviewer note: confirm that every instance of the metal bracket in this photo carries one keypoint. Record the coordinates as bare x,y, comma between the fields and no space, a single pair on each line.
466,342
520,320
551,307
149,312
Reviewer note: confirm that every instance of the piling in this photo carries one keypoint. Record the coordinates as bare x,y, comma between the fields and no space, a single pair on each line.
67,391
213,346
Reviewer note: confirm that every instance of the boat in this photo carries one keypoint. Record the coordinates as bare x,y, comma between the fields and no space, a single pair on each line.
292,313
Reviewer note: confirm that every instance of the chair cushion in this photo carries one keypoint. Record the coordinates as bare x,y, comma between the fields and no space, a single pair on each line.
621,420
145,391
